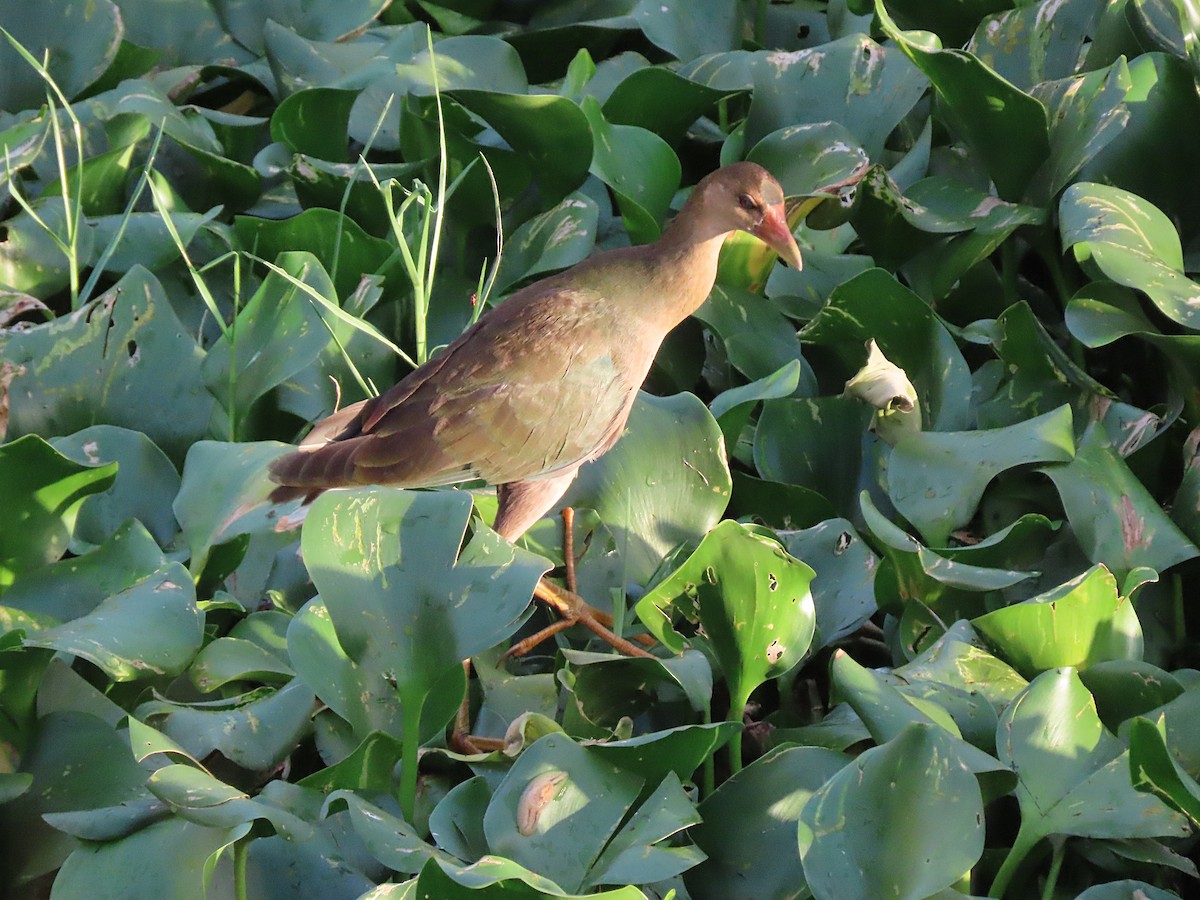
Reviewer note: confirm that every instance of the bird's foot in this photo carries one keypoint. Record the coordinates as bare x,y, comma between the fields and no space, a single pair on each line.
574,610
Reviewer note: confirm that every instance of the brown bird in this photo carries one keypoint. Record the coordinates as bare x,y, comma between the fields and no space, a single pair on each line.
544,382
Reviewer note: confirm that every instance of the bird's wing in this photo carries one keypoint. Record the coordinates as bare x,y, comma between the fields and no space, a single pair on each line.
534,388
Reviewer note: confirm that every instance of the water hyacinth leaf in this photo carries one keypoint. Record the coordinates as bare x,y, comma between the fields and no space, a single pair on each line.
384,562
197,796
1119,890
174,856
558,791
124,359
689,30
551,134
1139,534
315,122
665,482
875,306
44,490
144,489
752,600
257,731
1125,688
758,338
340,245
93,35
607,687
983,108
843,592
78,762
678,750
1156,772
937,480
884,710
235,659
1042,376
75,586
817,444
31,260
150,628
495,876
635,855
222,494
732,408
808,158
1131,242
659,100
143,239
555,239
825,85
1086,112
1072,775
1077,624
958,659
640,167
749,826
1033,44
904,819
276,334
246,21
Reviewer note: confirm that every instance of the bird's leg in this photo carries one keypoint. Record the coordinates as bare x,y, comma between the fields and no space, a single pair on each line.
568,520
572,608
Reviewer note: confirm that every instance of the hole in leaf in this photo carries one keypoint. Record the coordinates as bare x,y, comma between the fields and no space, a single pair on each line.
710,575
802,32
131,348
774,652
842,544
772,581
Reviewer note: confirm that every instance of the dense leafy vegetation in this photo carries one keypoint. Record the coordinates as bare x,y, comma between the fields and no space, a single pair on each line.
915,528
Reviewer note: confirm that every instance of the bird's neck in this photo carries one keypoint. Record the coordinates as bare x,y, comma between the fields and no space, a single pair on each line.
686,265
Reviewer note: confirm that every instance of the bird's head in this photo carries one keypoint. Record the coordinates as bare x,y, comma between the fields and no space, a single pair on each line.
746,197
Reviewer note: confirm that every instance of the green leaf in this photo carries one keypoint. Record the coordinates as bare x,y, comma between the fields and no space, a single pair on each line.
384,562
904,819
152,627
875,306
221,495
75,586
315,122
816,444
732,408
43,491
1072,775
659,100
145,486
691,30
92,34
549,133
1156,772
31,260
749,825
937,480
173,856
256,731
278,333
1133,243
124,359
559,792
751,599
639,166
1078,624
1135,533
843,591
558,238
665,482
985,110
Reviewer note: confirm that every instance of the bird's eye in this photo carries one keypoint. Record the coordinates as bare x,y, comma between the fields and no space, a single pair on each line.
745,201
